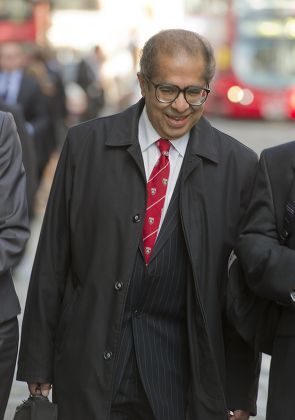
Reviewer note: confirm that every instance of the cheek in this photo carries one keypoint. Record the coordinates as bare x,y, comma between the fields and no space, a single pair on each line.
197,114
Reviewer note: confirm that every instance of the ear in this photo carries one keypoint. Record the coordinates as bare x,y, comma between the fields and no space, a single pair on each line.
142,83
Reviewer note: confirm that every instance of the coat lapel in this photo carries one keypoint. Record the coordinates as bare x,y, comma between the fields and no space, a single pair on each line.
135,152
125,134
201,146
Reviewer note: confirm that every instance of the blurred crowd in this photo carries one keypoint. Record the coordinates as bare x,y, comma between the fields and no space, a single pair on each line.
45,101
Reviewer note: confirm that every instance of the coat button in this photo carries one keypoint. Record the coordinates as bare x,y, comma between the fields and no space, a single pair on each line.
107,355
118,286
136,218
136,313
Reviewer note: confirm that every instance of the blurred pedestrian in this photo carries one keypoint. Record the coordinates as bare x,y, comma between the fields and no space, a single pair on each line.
89,77
268,260
17,87
28,154
14,233
46,71
125,308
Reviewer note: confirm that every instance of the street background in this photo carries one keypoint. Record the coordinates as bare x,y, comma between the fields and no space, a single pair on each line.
255,134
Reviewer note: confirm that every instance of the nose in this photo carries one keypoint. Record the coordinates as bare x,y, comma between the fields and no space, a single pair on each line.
180,103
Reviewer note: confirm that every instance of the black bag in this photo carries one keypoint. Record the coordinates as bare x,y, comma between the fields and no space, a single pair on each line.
254,317
36,408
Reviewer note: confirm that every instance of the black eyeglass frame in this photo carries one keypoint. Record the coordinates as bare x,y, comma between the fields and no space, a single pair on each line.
157,85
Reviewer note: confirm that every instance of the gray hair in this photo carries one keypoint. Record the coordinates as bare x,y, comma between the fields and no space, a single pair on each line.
175,41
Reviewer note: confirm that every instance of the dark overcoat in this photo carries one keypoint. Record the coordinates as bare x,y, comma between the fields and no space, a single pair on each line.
269,265
89,239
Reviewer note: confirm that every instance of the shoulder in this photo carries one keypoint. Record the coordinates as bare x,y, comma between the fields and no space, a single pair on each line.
231,144
3,116
94,130
116,129
29,83
6,121
9,138
279,163
282,153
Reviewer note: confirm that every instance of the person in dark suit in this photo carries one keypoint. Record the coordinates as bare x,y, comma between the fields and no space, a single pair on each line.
19,88
14,233
269,265
125,310
90,79
28,154
44,68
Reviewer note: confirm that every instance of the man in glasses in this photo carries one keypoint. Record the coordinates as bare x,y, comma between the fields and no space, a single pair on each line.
124,316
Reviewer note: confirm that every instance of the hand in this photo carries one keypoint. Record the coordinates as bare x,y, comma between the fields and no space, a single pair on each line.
240,415
39,389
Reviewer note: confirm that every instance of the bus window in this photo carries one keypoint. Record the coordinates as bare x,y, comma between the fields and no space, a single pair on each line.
15,10
192,7
75,5
261,51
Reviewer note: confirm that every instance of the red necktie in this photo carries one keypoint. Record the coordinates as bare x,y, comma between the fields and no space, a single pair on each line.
156,193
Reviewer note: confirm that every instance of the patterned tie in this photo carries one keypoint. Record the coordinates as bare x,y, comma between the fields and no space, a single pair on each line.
156,193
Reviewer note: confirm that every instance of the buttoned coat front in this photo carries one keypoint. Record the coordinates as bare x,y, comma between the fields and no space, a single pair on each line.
85,257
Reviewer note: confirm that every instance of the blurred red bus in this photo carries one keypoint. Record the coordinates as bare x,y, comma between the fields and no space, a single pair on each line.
255,55
24,20
17,21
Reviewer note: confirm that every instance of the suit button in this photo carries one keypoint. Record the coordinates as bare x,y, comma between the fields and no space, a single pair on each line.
118,286
136,218
107,355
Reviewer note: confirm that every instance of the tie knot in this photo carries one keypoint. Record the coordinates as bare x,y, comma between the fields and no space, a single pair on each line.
164,146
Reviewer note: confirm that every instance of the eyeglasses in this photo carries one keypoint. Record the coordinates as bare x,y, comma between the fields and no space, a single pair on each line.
167,93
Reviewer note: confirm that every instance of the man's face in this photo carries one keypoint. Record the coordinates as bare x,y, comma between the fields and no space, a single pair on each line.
11,57
175,119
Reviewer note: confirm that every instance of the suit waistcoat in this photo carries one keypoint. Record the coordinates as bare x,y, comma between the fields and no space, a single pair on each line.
154,322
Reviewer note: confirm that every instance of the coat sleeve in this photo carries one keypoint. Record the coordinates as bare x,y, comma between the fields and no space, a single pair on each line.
268,265
14,225
48,279
242,362
242,373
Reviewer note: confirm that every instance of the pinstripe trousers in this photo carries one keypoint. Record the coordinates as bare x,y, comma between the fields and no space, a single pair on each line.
131,402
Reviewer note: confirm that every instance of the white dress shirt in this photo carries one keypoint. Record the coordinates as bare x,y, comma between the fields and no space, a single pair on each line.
147,136
9,85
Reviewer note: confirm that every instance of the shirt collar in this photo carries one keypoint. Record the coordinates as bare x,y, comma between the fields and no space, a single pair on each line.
148,135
